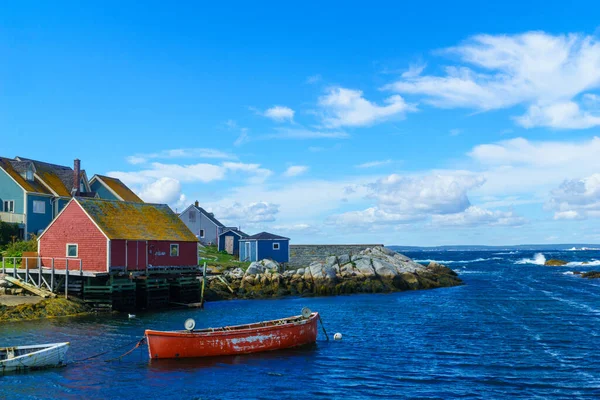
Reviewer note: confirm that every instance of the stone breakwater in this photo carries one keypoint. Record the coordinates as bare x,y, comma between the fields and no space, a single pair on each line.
373,270
302,255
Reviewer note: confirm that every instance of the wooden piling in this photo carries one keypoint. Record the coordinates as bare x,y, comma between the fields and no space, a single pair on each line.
203,285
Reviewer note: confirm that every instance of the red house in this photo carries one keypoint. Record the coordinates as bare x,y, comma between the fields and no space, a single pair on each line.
110,236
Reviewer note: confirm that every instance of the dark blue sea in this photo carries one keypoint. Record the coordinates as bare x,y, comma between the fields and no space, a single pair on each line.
516,329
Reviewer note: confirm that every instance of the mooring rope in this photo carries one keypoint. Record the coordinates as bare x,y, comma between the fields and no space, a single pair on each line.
137,343
323,327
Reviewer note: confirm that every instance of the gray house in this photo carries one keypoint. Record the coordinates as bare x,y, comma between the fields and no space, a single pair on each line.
202,224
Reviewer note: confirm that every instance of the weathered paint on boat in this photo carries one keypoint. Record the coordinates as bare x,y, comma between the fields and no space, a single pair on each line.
20,358
241,339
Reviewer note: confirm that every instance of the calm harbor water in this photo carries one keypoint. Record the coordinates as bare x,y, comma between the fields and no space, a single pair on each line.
517,329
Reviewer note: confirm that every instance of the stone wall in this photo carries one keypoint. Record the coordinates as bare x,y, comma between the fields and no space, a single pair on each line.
301,255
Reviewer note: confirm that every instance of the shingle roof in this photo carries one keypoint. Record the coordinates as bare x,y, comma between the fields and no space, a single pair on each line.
210,216
15,169
58,177
266,236
237,231
119,188
136,221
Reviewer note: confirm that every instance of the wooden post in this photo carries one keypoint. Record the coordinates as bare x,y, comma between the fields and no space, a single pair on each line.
14,267
80,268
3,266
26,269
67,280
52,278
203,285
39,263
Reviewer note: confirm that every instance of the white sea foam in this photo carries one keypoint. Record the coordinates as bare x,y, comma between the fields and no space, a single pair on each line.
459,261
583,249
507,253
591,263
538,259
569,273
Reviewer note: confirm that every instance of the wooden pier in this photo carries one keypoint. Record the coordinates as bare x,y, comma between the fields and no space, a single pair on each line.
117,290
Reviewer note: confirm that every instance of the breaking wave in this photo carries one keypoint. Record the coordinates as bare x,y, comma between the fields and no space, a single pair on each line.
591,263
582,249
459,261
508,253
538,259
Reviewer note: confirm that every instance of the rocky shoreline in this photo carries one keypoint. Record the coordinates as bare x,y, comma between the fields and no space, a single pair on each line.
374,270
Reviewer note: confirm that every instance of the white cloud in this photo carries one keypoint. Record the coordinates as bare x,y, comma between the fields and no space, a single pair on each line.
576,198
280,113
297,229
414,70
373,164
429,194
189,173
251,214
477,216
540,71
295,170
347,107
287,133
243,138
313,79
180,153
163,191
370,217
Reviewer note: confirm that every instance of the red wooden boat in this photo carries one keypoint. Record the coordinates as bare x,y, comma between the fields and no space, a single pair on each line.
230,340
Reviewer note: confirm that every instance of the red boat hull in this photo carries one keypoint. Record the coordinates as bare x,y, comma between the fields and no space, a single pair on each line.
243,339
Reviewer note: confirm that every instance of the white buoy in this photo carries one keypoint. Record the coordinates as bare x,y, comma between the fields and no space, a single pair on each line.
131,315
337,336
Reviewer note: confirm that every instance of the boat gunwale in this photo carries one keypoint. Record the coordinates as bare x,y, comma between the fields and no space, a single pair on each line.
48,347
236,329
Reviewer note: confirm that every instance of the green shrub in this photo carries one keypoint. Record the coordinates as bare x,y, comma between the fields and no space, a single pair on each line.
8,233
16,249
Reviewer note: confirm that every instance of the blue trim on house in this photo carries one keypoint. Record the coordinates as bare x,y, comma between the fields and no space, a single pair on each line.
10,190
102,191
37,222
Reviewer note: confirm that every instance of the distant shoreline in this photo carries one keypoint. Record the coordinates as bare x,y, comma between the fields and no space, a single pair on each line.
520,247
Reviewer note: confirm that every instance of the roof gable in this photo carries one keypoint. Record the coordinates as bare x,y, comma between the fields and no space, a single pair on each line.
208,215
117,187
57,177
236,232
15,169
266,236
136,221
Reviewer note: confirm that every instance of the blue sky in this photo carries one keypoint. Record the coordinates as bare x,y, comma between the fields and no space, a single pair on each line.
416,124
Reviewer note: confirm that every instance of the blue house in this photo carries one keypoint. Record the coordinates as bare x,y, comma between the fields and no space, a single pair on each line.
265,245
229,240
33,193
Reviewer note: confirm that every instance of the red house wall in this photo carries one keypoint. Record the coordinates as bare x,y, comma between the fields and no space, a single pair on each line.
188,254
74,226
136,254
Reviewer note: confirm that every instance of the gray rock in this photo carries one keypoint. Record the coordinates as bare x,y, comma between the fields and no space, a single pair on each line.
344,259
363,265
385,269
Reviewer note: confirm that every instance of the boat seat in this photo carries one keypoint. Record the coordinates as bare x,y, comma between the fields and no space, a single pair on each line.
10,354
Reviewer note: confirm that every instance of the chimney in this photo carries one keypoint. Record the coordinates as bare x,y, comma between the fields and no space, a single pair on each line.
76,176
196,203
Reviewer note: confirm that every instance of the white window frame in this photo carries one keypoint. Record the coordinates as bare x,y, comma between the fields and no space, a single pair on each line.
278,246
76,250
6,209
43,205
171,249
202,233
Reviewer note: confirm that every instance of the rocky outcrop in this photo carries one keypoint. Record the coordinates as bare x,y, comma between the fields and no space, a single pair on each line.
373,270
555,263
588,275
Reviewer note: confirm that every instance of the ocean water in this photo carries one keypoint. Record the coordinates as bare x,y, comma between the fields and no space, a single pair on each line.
516,329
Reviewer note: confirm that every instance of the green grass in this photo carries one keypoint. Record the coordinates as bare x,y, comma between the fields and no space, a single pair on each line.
220,260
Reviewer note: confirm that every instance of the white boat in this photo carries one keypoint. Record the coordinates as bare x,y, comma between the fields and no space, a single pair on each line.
20,358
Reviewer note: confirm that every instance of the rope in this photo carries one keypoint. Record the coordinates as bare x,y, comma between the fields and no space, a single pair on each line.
137,342
323,327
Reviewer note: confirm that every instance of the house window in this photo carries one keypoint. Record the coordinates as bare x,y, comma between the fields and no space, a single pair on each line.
275,246
72,250
29,174
201,233
9,206
39,207
192,216
174,250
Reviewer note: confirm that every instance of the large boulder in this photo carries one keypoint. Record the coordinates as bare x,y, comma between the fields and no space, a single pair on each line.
262,266
555,263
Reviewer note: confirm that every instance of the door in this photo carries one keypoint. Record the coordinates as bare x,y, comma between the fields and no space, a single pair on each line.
229,244
247,252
